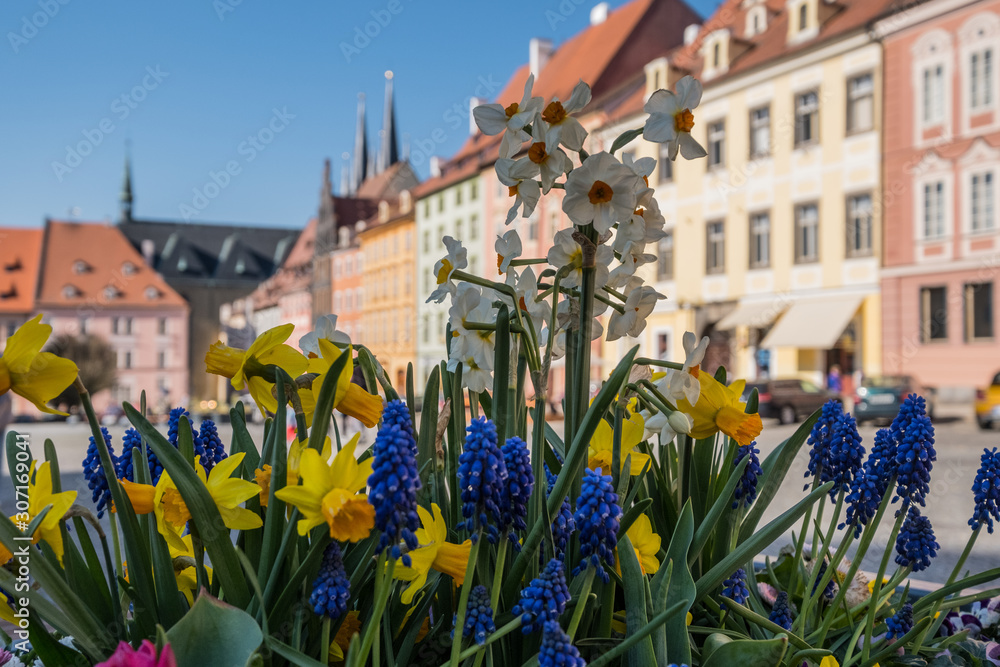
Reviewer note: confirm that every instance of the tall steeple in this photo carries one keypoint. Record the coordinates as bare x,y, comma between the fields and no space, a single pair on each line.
125,198
388,151
360,171
345,175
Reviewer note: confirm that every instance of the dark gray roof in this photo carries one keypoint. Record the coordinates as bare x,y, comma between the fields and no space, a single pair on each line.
215,253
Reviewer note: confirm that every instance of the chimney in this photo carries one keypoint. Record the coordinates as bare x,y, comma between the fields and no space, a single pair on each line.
599,14
539,52
473,103
691,33
435,163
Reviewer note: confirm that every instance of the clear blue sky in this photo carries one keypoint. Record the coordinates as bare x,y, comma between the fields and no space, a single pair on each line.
200,77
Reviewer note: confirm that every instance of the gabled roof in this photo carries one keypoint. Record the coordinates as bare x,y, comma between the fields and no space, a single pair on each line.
20,256
389,183
211,252
772,43
92,265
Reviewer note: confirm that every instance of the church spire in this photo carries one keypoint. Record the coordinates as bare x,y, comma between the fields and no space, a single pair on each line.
126,195
345,175
388,151
360,148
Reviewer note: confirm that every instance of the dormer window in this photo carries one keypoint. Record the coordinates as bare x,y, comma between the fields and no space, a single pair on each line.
717,51
152,293
383,211
803,17
241,266
406,200
14,266
756,21
70,292
716,54
80,267
110,293
129,269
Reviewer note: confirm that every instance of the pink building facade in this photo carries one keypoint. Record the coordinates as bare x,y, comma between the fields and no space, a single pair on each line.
941,269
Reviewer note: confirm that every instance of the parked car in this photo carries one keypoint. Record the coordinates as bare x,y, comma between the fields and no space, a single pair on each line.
788,400
879,397
988,404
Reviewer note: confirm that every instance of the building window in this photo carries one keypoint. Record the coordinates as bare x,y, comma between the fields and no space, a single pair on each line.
934,210
459,232
427,242
716,55
716,144
978,311
981,79
427,329
803,16
933,314
663,346
933,93
860,103
161,359
128,326
807,118
473,227
11,329
126,359
665,257
161,326
981,205
458,195
115,325
666,165
336,302
760,240
859,225
760,132
427,208
532,230
806,234
441,202
84,322
715,246
473,191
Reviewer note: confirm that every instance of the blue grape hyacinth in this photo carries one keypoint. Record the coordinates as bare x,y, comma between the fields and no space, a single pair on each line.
209,445
563,524
331,592
871,482
820,438
517,488
746,488
735,588
544,599
557,648
986,491
597,516
846,455
781,614
915,545
125,466
478,616
899,623
830,589
93,472
481,477
915,454
395,481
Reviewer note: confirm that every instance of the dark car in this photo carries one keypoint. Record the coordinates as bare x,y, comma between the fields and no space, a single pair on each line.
879,398
788,400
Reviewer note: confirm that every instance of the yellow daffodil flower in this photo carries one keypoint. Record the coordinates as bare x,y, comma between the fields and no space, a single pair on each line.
329,493
243,367
435,552
263,475
829,661
350,399
602,444
40,496
187,577
172,514
342,642
646,544
27,371
719,408
6,611
689,619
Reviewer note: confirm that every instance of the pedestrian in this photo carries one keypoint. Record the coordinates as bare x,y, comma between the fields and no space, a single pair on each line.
833,380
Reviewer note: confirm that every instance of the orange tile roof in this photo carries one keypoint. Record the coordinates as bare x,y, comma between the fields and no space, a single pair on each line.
94,264
772,44
20,255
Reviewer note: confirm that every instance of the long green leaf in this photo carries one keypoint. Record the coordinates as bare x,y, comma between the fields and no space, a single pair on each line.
635,604
725,499
501,373
633,639
759,653
680,586
203,511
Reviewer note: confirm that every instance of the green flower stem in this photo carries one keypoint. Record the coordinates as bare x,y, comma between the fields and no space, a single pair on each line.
815,587
383,584
801,541
587,291
490,326
324,640
498,573
113,520
876,591
511,293
607,609
499,634
463,600
527,262
935,621
816,533
866,539
646,361
853,644
581,601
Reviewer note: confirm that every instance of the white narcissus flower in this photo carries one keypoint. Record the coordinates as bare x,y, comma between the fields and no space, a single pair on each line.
457,258
518,176
669,427
678,384
526,288
601,191
671,119
624,272
638,305
475,376
545,153
643,167
493,119
326,328
569,131
470,306
565,251
508,247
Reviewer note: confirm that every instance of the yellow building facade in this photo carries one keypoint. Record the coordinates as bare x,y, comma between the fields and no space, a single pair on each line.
388,250
774,238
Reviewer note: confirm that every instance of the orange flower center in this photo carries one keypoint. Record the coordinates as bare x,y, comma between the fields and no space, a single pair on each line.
600,193
683,120
554,113
174,510
512,191
523,305
537,152
499,264
511,110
